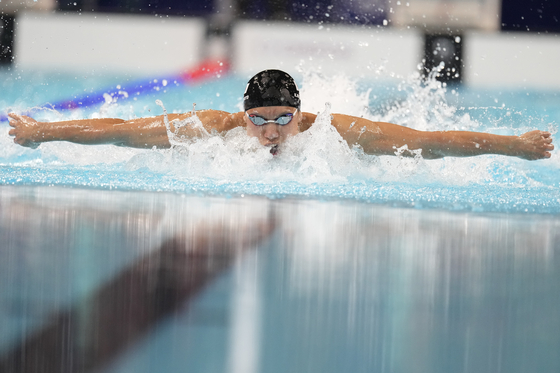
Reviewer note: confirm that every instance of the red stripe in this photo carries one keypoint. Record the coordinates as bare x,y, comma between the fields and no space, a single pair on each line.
206,69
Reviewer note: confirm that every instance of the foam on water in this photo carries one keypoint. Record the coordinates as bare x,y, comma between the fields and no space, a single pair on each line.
316,163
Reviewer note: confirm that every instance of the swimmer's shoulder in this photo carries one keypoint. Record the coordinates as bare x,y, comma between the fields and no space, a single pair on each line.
341,122
220,121
233,120
306,121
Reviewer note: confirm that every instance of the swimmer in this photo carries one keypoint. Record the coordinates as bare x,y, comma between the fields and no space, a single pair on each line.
272,113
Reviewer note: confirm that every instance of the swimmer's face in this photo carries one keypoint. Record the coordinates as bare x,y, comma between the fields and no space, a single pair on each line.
272,134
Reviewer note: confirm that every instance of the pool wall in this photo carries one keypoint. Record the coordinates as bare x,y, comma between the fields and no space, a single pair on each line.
148,45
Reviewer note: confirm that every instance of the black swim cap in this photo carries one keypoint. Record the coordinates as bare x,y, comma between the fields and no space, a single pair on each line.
271,88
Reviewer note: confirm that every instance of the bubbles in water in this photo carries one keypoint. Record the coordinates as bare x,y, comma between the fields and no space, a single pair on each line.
339,90
424,107
316,162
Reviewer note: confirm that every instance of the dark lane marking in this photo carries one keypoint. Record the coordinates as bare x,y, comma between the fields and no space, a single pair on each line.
95,331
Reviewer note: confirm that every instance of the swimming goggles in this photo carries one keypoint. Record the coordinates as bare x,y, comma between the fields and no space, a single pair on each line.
282,120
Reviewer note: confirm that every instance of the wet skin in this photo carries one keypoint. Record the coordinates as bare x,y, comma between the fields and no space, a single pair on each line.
375,138
272,134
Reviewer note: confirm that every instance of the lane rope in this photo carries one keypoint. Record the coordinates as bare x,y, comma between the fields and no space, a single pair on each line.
209,69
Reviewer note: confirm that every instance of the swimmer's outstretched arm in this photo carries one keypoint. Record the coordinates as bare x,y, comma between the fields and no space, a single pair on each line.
138,133
383,138
146,132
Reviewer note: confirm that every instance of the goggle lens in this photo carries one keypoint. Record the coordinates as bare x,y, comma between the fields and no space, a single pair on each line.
282,120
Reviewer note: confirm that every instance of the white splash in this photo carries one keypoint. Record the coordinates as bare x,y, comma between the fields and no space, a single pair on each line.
318,155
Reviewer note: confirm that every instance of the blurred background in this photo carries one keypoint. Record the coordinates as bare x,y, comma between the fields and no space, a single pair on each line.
517,15
482,42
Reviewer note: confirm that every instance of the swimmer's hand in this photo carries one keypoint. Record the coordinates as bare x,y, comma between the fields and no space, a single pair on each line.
533,145
25,130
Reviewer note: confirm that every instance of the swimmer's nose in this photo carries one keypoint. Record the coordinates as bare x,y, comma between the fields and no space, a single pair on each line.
271,132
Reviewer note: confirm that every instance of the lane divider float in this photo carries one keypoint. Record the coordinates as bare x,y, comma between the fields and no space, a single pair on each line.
209,69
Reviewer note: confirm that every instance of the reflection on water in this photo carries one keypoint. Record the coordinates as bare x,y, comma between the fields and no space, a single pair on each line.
141,282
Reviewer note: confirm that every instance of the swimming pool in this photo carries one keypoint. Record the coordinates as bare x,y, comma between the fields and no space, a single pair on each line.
217,257
317,165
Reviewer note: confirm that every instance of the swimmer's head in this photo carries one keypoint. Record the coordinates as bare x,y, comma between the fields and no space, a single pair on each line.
271,88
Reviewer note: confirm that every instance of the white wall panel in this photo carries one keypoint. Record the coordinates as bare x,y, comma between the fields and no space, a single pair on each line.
520,60
154,45
136,44
357,51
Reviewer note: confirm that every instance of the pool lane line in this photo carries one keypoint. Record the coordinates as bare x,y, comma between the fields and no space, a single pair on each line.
209,69
95,331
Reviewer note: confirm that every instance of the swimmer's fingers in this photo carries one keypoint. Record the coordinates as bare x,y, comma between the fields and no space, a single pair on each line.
536,145
13,120
16,119
13,116
548,145
547,139
23,129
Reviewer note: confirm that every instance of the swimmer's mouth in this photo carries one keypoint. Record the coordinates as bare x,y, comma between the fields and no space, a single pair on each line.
274,149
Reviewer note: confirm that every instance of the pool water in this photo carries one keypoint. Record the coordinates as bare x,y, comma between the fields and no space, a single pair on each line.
113,281
315,164
215,256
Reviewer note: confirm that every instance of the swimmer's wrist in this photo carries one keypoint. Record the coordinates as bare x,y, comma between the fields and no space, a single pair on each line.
41,133
512,146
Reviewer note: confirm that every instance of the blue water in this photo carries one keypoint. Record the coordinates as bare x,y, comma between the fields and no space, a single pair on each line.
331,286
364,264
315,167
